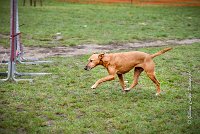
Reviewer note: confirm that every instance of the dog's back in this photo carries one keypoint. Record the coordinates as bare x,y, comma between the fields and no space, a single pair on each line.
126,61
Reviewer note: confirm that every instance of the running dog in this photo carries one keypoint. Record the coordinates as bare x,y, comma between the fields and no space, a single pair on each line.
121,63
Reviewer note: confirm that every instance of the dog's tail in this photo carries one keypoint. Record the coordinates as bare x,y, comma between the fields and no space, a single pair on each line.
161,52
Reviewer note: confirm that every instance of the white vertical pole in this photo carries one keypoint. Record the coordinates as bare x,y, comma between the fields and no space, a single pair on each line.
17,29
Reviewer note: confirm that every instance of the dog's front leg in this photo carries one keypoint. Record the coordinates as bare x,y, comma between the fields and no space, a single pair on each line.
107,78
121,80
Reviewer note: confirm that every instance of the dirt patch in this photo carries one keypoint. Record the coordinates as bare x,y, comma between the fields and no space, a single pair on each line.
38,52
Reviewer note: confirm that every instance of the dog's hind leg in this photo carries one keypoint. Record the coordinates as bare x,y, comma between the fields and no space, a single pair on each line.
157,83
121,80
149,69
137,72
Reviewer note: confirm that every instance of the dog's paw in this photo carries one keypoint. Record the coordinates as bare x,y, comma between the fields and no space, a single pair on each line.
127,89
94,86
157,94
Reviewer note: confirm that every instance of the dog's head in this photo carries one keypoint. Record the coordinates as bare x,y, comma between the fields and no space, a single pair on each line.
94,60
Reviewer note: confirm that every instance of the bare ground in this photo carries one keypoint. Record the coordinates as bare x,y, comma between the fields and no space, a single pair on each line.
39,52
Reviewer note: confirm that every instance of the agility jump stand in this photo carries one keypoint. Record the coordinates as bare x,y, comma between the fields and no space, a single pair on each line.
12,73
20,50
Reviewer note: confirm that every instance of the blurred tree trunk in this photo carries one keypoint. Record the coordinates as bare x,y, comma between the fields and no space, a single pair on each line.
32,2
24,2
40,2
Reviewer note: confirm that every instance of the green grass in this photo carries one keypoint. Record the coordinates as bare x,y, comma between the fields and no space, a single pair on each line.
101,24
64,103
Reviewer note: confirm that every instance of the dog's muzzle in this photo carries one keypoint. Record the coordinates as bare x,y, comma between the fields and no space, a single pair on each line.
87,68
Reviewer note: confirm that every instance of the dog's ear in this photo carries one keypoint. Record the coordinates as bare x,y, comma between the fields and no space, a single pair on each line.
101,55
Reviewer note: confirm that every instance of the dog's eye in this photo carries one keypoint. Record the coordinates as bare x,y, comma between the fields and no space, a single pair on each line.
91,60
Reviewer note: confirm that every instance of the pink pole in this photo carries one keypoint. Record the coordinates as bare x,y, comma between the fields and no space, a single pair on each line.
12,30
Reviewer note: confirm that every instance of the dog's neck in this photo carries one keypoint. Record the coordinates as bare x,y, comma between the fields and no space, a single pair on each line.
105,61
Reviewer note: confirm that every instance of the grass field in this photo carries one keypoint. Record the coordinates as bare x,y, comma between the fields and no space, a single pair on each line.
64,103
101,24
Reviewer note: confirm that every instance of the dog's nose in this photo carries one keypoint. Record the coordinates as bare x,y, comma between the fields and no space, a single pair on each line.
85,67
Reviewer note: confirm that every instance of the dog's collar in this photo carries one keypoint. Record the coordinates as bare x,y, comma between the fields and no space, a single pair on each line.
101,61
104,63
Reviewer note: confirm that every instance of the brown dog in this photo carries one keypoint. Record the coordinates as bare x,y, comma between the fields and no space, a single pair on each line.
121,63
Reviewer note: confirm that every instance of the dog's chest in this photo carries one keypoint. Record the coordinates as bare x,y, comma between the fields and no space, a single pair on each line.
124,69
